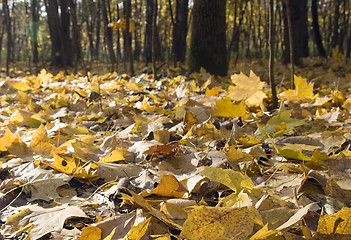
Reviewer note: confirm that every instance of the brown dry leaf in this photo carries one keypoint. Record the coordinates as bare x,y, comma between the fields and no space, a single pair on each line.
163,150
220,223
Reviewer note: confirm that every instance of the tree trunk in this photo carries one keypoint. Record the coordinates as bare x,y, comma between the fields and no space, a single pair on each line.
208,37
316,31
335,35
108,34
35,27
128,37
59,28
77,49
66,41
299,30
180,30
9,36
271,55
148,31
154,24
98,27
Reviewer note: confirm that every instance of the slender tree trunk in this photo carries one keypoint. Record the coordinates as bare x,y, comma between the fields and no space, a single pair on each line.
98,28
148,31
335,36
9,36
118,54
108,34
291,42
1,38
180,30
66,41
89,21
271,55
77,49
316,31
154,38
128,37
35,26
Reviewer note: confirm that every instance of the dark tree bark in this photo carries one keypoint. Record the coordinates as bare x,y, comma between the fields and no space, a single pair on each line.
7,22
148,31
291,44
316,31
137,36
335,35
35,27
77,49
180,30
59,28
208,37
98,27
271,55
108,34
66,41
299,31
1,38
154,39
118,53
128,37
234,42
89,19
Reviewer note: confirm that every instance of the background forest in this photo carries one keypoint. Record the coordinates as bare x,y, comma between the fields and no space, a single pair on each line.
81,33
153,119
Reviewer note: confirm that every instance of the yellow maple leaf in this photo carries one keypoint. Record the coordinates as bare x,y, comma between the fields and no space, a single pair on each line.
226,108
144,105
67,166
220,223
338,223
21,86
168,187
114,156
247,88
301,92
213,91
137,232
91,233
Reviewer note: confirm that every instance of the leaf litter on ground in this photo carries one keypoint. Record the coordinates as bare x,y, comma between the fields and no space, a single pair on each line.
193,157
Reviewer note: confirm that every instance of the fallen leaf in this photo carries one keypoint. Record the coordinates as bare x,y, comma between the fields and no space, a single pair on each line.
220,223
226,108
138,231
168,187
38,221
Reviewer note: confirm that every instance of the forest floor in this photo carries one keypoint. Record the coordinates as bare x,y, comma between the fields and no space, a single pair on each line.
109,156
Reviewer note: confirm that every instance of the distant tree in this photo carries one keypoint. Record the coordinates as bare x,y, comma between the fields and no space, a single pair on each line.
77,49
180,29
108,33
299,30
316,30
35,27
59,28
128,37
7,21
148,31
208,37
